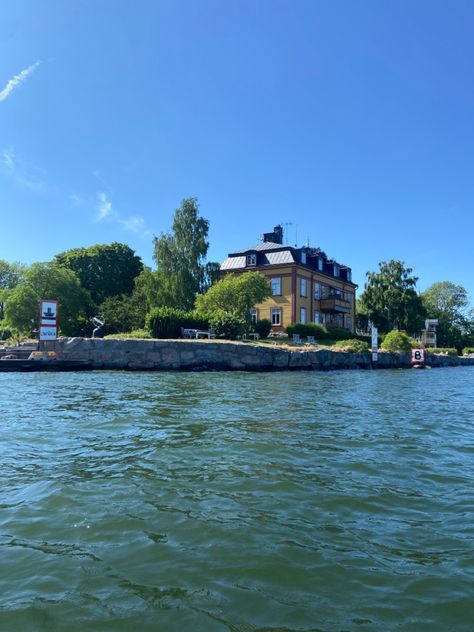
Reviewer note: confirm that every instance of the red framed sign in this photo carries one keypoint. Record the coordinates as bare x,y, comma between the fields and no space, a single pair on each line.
418,356
48,324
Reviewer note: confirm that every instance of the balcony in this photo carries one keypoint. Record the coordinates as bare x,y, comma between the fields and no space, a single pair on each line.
336,305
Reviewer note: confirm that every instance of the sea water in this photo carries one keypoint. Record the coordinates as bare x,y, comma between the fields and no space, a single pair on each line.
237,502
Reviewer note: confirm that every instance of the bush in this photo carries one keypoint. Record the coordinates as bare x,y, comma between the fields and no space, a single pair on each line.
166,322
227,326
318,331
262,327
136,333
398,341
353,345
445,350
468,350
5,333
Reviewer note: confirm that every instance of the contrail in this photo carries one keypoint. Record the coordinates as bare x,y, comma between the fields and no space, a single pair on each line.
17,80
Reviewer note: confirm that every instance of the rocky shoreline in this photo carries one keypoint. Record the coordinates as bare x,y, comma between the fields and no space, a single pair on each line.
212,355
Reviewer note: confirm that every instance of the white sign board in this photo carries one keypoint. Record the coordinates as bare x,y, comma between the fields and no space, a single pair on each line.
49,313
418,356
375,342
48,333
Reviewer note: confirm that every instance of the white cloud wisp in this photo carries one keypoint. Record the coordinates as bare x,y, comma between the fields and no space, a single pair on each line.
17,80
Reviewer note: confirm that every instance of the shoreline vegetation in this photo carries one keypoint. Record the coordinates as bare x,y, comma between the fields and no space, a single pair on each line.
221,355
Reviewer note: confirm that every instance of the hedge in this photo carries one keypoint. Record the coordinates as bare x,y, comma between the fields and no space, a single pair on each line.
166,322
467,350
353,345
445,350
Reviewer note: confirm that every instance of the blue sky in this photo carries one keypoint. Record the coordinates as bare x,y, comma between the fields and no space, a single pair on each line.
353,120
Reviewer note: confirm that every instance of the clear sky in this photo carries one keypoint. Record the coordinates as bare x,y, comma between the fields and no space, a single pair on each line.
353,120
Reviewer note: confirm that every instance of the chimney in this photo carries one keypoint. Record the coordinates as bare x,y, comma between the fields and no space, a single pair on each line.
276,237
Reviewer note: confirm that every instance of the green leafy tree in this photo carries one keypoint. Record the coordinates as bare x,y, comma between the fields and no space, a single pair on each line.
11,274
449,303
398,341
390,298
235,294
46,280
180,258
103,269
123,314
22,309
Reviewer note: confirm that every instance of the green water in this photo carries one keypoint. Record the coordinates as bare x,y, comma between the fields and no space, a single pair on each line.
237,502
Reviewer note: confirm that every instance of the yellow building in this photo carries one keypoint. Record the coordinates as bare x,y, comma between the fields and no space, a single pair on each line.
307,286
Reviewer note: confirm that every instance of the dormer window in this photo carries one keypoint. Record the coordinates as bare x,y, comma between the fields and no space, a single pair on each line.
251,260
349,275
320,264
303,257
335,270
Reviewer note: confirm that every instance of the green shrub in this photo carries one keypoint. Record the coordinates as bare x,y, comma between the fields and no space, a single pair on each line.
262,327
445,350
468,350
318,331
5,333
136,333
353,345
398,341
227,326
166,322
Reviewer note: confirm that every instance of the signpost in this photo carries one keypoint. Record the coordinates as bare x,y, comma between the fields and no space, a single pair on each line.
48,329
418,357
375,344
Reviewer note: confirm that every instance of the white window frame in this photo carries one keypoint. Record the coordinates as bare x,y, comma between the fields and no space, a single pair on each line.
303,257
275,284
303,287
320,264
303,315
335,270
251,260
275,316
316,290
317,316
323,318
324,291
253,314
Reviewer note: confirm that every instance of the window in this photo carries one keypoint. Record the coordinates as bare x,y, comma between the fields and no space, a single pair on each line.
349,275
303,287
349,322
276,286
316,290
317,316
324,291
303,256
303,315
251,260
275,315
253,314
335,270
323,318
320,264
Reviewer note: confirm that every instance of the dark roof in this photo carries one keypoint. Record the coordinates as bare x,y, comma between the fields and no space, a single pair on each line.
264,246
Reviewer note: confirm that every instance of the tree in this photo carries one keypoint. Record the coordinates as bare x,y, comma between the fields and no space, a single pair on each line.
11,274
123,314
235,295
390,298
46,280
448,303
103,269
180,257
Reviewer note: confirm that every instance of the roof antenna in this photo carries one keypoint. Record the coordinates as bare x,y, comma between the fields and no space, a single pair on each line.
285,227
296,235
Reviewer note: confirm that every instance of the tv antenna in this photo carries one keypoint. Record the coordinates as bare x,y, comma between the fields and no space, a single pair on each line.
285,229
